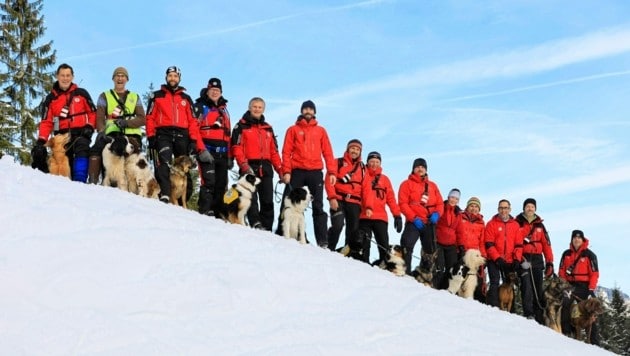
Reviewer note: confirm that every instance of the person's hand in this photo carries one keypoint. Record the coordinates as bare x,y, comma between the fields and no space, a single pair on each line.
418,224
230,163
286,178
368,212
87,131
121,123
460,252
500,263
398,225
151,141
548,269
334,204
434,217
525,264
205,157
39,154
246,169
591,293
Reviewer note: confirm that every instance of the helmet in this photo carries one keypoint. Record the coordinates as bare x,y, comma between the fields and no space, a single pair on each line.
174,69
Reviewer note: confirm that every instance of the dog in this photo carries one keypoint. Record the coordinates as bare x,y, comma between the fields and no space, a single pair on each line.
396,260
506,291
556,291
140,179
424,272
456,276
293,223
583,315
238,199
58,162
179,179
114,155
473,260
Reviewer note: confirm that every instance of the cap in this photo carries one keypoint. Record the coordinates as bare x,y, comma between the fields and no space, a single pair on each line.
529,201
419,162
577,233
473,200
374,154
121,70
175,69
308,104
215,83
356,143
454,193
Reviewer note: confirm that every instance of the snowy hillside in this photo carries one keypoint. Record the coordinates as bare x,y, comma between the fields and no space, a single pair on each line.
90,270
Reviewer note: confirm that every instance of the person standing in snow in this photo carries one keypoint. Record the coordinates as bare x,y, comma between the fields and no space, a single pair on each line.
215,131
376,193
470,235
537,252
422,205
446,238
305,144
255,149
344,197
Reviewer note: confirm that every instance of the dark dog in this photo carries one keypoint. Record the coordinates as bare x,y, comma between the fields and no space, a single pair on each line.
396,260
556,291
424,272
583,315
506,291
238,199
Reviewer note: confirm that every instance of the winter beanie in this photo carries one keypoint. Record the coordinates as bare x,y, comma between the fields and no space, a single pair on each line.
215,83
474,200
174,69
529,201
308,104
454,193
121,70
577,233
356,143
374,154
419,162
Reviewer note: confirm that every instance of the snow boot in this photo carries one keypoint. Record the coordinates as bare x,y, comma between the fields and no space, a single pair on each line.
94,169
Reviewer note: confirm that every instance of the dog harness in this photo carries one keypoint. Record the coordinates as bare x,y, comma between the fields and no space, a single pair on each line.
230,195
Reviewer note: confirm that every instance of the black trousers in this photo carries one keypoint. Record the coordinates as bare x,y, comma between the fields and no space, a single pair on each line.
379,228
347,213
170,143
410,236
532,293
446,258
261,210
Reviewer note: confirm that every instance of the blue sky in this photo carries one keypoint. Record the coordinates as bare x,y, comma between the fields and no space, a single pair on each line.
503,99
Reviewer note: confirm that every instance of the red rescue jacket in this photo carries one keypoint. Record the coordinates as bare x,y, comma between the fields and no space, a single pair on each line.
470,232
583,265
215,127
81,110
305,143
377,191
254,140
446,228
410,195
348,190
535,237
503,239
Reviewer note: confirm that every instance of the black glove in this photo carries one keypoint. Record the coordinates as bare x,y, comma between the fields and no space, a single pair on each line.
460,252
398,223
515,265
500,263
591,294
151,141
87,132
192,148
39,155
121,123
230,163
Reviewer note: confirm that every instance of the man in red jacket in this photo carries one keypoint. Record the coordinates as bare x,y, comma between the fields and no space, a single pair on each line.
255,149
504,246
172,129
344,197
421,203
579,267
305,144
67,108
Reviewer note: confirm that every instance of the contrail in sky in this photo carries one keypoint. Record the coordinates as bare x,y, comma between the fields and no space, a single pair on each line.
227,30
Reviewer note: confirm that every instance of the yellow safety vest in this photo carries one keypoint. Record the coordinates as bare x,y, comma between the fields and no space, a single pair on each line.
130,108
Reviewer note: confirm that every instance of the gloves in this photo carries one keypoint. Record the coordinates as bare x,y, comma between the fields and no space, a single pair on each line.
205,157
434,217
548,269
515,265
525,264
192,148
151,141
418,223
246,169
39,153
121,123
398,223
500,263
87,131
230,163
460,252
591,294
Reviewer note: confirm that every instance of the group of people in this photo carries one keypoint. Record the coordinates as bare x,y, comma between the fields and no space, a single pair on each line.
358,193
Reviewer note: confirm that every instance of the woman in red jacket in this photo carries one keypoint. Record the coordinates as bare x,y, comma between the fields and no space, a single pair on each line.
470,236
446,237
377,192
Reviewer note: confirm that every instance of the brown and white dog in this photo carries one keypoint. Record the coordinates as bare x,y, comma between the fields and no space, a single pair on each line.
238,199
293,222
556,291
396,260
114,155
506,291
140,179
58,162
583,315
179,180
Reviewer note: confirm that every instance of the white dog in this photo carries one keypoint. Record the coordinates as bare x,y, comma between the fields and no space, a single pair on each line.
114,155
293,224
473,260
140,179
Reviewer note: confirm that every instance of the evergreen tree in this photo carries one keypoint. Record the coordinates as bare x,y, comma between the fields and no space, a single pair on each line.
614,324
23,76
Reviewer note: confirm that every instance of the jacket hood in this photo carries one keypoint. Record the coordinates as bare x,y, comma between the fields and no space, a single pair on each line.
247,118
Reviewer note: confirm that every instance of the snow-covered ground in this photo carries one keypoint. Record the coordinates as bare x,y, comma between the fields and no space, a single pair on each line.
88,270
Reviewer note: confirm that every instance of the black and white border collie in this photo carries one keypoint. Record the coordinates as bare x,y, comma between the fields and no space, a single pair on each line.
293,223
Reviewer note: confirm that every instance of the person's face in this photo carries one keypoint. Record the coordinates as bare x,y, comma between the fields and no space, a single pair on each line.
420,171
256,109
65,77
453,200
172,79
374,163
473,209
120,80
504,210
529,210
576,242
214,94
308,112
354,152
